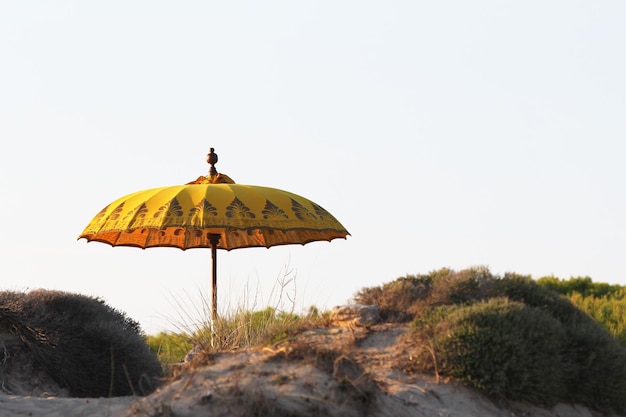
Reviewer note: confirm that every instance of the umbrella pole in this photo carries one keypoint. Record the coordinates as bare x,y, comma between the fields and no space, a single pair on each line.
214,239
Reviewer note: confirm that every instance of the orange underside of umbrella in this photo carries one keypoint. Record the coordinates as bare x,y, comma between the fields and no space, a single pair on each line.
231,239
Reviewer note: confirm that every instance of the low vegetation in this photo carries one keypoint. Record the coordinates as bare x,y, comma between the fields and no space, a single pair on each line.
513,338
510,337
240,329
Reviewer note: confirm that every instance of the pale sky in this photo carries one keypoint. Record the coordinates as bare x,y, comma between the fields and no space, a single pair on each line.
440,133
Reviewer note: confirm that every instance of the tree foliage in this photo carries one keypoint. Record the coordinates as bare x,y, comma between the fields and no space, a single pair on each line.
605,303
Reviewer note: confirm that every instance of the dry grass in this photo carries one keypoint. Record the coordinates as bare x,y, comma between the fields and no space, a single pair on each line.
241,327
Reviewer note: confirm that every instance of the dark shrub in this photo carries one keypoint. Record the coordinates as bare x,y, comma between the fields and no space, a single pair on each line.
396,300
466,286
402,299
85,345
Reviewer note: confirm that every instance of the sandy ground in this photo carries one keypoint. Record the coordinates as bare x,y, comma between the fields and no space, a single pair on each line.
322,372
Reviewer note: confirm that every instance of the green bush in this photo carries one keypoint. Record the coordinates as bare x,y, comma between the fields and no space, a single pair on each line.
505,349
170,348
525,290
595,359
513,338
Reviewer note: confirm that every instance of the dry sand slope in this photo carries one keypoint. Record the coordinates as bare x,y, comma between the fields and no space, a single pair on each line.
322,372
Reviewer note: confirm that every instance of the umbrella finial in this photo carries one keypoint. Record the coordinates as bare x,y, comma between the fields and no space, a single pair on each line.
211,158
214,177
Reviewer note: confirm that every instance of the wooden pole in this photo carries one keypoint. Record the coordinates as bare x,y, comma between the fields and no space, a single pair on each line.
214,239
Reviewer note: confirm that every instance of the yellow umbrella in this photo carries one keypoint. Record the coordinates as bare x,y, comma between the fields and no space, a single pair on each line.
212,212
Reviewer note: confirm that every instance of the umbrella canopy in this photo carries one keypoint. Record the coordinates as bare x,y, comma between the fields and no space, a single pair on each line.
185,216
212,212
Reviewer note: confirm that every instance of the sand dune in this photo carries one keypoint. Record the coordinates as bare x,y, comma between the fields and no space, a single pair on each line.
321,372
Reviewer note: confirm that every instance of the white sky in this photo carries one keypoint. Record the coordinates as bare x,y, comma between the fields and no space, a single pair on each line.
441,134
